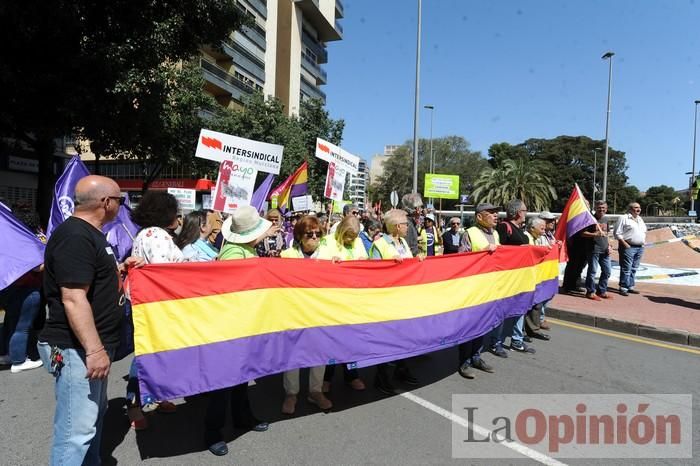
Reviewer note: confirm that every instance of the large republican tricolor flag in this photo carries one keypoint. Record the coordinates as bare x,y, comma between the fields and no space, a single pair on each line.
204,326
576,216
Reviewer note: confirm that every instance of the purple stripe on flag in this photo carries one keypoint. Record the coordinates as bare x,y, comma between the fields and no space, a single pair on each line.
20,249
300,189
199,369
578,223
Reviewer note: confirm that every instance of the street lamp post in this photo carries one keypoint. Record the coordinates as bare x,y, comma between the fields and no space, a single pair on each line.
692,176
607,56
416,99
595,171
432,160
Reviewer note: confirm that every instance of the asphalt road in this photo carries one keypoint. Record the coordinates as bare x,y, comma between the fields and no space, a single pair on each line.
364,428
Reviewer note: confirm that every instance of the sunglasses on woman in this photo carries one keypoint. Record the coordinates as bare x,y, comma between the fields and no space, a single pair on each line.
313,234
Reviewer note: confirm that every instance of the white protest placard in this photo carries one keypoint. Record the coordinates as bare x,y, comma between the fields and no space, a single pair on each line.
206,201
337,155
185,197
335,182
234,186
302,203
218,147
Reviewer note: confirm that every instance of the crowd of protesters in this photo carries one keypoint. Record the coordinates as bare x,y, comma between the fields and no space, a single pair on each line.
82,283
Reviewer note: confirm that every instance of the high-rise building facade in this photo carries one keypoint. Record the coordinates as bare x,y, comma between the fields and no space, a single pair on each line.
377,167
280,54
357,186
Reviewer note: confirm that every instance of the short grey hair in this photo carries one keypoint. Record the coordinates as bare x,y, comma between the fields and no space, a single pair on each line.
411,201
393,218
534,222
513,207
632,204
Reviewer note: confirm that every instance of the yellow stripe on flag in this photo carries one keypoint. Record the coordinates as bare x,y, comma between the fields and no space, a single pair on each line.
181,323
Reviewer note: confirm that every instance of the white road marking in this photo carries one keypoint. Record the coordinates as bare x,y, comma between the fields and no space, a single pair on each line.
477,429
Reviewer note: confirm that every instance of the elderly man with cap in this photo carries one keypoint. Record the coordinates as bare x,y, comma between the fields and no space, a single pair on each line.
547,239
242,231
481,237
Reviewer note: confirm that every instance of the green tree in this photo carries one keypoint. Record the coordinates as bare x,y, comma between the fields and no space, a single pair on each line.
90,67
570,160
619,198
516,179
658,199
452,156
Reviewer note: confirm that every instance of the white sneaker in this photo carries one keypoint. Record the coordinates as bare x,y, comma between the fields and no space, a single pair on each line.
28,364
5,360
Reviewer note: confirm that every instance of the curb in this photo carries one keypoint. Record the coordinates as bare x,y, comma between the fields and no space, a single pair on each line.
680,337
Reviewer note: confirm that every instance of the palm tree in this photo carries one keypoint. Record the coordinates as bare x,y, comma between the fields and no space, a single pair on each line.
516,179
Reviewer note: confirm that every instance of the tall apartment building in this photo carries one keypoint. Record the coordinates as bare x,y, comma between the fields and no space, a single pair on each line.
357,186
377,166
280,54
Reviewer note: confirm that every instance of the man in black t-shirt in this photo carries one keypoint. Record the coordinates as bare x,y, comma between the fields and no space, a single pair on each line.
598,255
83,287
510,232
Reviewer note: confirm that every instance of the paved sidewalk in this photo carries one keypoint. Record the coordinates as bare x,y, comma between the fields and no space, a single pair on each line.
663,312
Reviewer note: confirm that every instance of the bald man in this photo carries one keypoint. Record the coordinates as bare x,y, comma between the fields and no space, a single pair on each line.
83,287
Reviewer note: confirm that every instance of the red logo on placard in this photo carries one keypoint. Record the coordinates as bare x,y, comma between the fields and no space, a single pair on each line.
324,148
211,142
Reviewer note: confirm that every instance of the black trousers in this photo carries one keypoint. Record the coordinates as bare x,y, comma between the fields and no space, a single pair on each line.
578,256
215,418
348,374
470,350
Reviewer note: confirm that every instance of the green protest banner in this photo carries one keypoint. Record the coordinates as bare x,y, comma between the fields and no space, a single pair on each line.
441,186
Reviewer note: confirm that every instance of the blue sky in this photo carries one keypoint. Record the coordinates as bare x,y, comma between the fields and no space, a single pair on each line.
507,70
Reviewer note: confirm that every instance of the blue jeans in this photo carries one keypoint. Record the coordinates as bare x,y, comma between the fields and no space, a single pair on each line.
505,329
596,259
629,263
80,407
516,336
23,305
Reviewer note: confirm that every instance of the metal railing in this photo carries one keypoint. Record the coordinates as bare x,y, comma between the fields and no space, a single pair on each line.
226,76
314,68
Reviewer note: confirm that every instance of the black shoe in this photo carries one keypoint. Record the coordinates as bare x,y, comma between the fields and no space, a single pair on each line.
256,425
632,291
466,371
527,339
384,386
219,448
522,348
481,365
403,374
540,336
498,351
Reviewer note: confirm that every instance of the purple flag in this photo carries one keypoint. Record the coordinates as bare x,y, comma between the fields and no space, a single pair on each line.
20,249
262,192
64,191
121,231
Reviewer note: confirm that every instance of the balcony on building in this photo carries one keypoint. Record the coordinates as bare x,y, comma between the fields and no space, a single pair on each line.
315,46
339,9
318,72
223,85
311,90
327,31
259,6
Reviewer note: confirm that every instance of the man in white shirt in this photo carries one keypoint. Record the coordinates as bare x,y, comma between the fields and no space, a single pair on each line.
631,233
